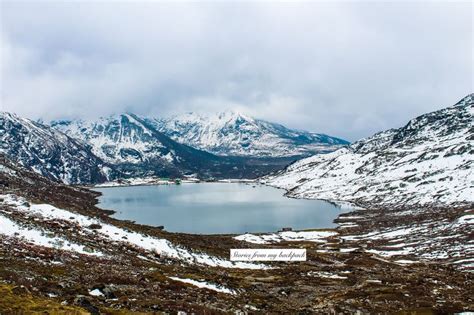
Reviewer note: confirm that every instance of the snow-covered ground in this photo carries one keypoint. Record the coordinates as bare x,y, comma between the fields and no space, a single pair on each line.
428,162
327,275
309,236
40,237
425,237
205,285
107,232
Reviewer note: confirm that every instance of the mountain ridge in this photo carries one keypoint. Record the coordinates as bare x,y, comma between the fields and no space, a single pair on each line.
136,148
233,133
50,152
428,161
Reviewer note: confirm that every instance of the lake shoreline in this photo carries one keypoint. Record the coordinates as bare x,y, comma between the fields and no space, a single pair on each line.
233,208
117,268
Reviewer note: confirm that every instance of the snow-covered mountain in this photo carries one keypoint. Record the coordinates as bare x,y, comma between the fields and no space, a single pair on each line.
429,161
50,152
231,133
120,139
135,147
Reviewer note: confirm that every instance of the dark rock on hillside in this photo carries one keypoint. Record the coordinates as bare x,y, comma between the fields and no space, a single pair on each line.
136,148
235,134
50,152
429,161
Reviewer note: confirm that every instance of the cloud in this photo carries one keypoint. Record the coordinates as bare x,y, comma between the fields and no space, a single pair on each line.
344,68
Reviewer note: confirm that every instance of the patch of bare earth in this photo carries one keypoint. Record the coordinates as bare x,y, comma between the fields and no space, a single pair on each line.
344,273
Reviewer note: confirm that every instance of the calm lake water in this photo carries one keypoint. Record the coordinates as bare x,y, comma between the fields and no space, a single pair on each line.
212,208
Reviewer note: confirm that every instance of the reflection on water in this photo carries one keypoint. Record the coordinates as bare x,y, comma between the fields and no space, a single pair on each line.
211,208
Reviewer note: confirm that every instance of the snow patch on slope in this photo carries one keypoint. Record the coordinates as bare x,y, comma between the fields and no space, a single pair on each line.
233,133
116,139
205,285
427,162
289,236
116,234
39,238
49,152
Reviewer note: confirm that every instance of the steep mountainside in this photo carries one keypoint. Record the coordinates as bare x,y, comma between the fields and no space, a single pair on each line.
429,161
231,133
136,148
50,152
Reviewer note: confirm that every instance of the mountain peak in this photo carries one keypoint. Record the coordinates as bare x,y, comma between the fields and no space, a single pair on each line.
48,151
231,132
225,114
466,100
233,117
233,113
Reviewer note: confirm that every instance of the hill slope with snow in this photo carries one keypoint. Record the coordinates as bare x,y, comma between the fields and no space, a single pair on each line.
429,161
231,133
135,147
50,152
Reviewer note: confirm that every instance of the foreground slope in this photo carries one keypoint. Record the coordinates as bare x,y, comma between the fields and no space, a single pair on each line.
428,162
61,254
232,133
50,152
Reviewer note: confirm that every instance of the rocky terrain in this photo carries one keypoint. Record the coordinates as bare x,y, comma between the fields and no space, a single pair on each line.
137,149
406,247
233,133
50,152
121,147
427,162
127,146
59,253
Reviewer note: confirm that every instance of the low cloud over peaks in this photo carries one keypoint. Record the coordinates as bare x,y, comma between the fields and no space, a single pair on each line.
346,69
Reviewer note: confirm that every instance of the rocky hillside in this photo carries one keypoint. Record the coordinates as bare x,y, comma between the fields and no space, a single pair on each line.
231,133
429,161
136,148
50,152
60,254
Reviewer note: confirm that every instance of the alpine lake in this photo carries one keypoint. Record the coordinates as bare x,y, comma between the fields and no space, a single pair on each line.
217,208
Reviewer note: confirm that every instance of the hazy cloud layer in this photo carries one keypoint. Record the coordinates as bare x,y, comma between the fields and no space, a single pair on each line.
347,69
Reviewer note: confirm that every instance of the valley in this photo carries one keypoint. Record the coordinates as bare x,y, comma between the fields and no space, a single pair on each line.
404,242
87,262
236,157
128,146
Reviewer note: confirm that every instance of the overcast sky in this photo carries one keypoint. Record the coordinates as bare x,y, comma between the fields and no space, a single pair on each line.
347,69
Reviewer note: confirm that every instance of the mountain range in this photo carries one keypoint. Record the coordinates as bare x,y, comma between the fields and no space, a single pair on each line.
130,146
409,249
136,149
427,162
234,134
